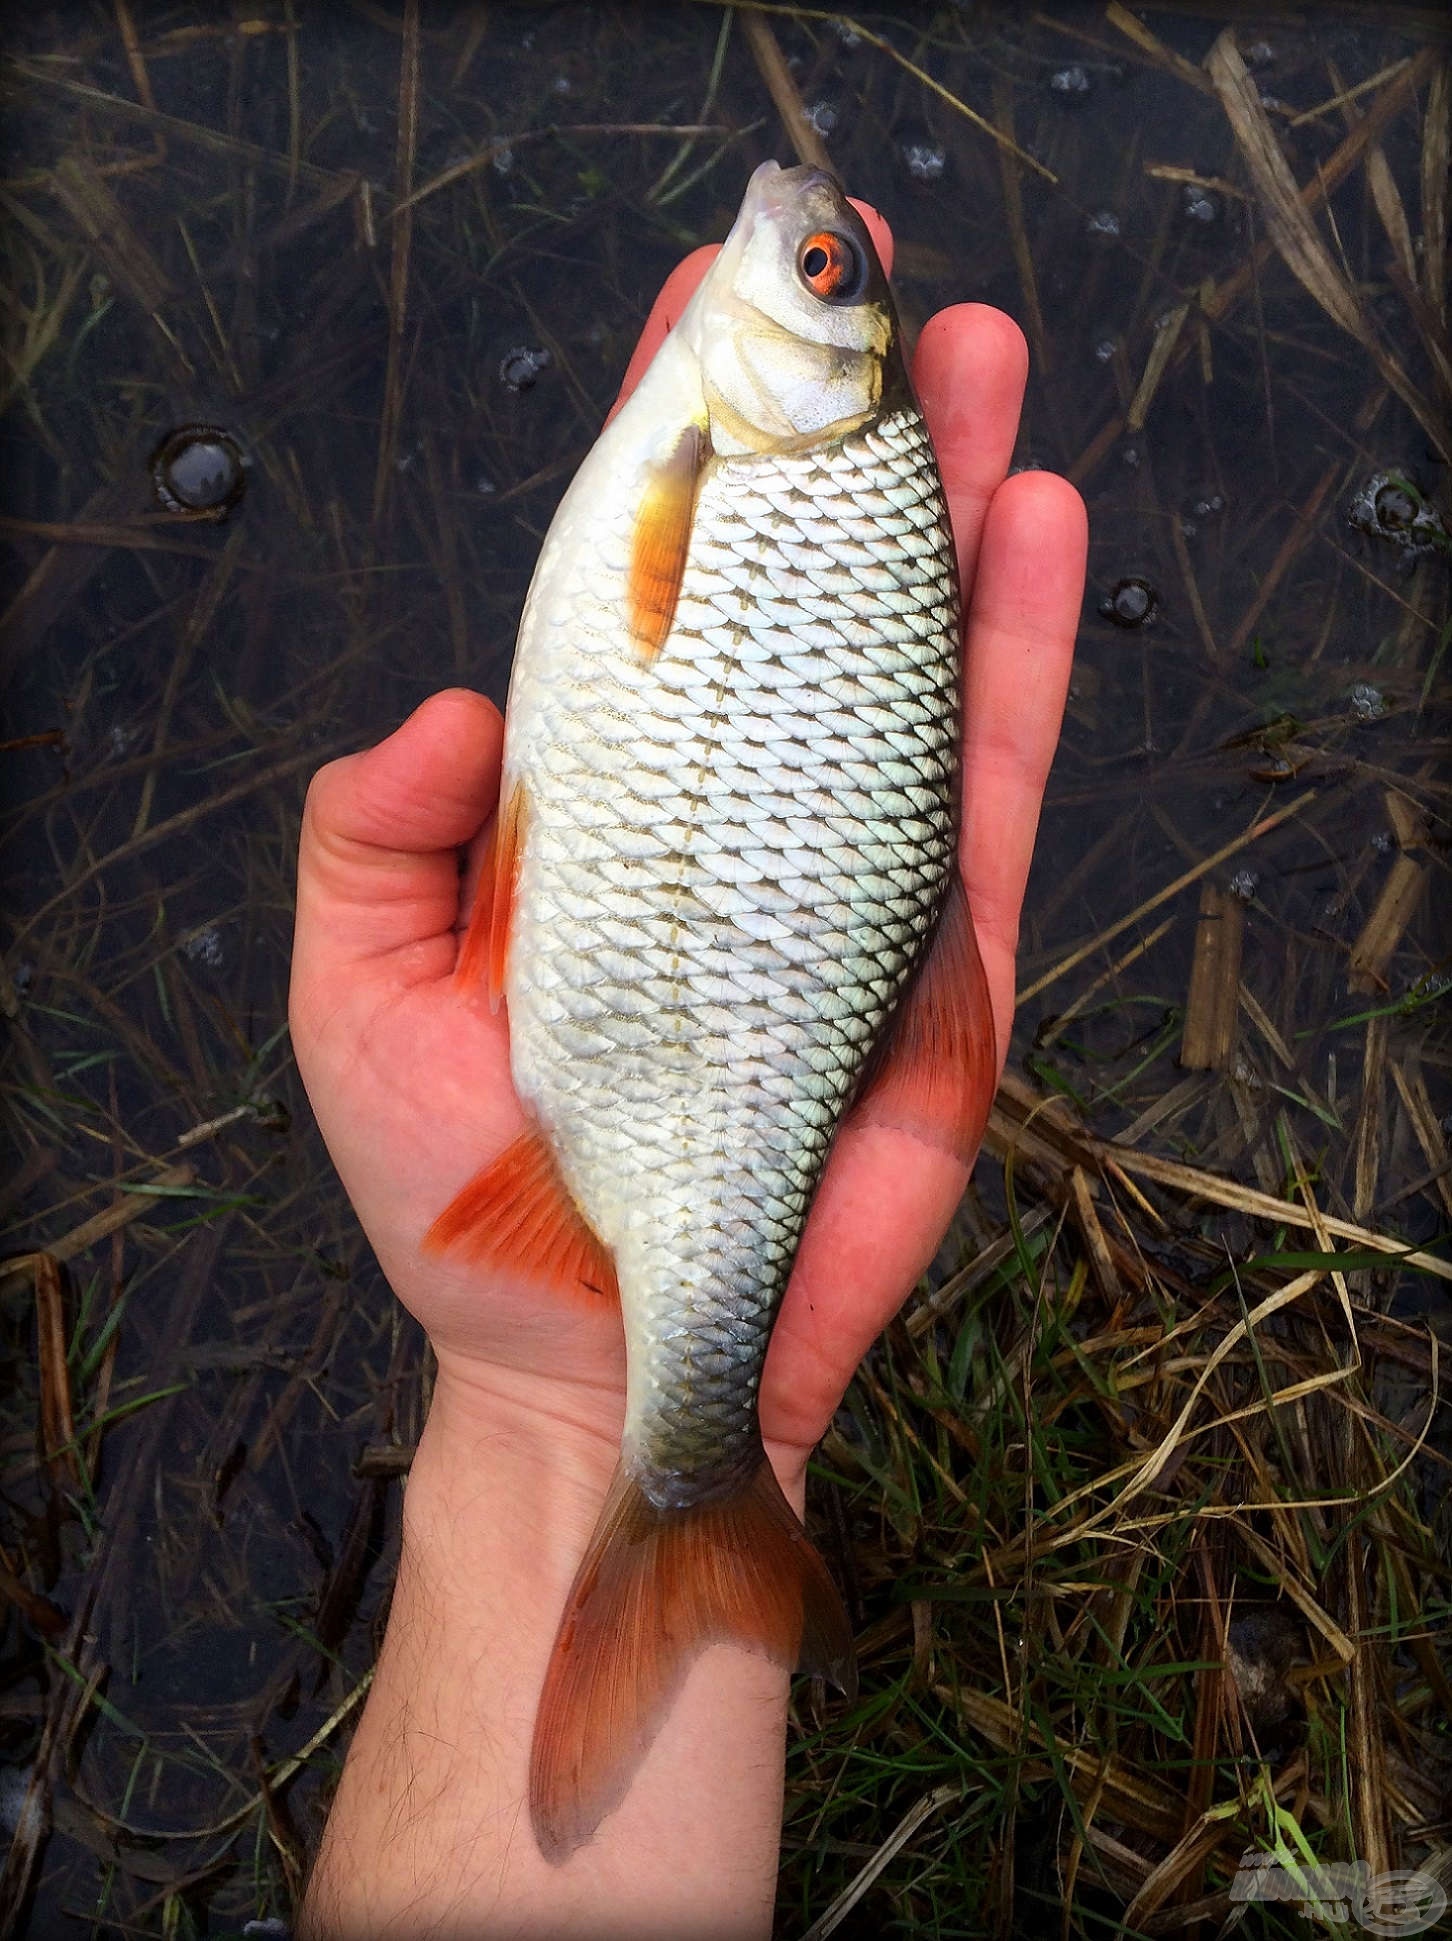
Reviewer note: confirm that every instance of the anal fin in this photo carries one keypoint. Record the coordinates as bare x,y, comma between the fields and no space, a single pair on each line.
938,1070
517,1214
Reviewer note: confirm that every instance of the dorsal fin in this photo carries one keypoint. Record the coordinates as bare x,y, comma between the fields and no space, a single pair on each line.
661,540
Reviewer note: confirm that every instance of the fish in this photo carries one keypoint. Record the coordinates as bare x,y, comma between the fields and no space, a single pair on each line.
721,906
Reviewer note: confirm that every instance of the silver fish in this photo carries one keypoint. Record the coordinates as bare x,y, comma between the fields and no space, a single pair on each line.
727,841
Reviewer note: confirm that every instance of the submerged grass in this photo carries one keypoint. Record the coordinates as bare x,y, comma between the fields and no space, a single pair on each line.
1141,1504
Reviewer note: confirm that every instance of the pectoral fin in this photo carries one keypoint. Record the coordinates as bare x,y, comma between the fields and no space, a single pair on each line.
661,541
486,943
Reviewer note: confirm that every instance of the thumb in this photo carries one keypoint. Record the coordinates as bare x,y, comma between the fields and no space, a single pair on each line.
378,873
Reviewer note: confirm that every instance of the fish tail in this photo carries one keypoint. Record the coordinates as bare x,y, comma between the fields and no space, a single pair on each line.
655,1587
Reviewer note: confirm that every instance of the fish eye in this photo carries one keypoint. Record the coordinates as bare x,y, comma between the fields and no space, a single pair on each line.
832,267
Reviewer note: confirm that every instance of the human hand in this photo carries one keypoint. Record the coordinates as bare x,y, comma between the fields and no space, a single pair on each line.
411,1083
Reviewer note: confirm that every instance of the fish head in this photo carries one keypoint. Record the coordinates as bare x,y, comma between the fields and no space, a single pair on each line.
793,327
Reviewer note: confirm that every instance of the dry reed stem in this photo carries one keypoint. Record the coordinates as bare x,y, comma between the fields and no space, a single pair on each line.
1257,829
57,1421
1231,291
1294,235
1167,335
213,139
786,98
1381,935
400,245
1436,174
919,74
1208,1039
1008,167
917,1816
121,1212
1138,1803
1134,29
1427,1129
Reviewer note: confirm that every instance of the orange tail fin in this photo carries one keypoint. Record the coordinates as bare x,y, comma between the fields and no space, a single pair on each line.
655,1588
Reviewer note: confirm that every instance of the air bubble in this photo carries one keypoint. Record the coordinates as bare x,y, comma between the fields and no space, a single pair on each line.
520,367
1132,603
198,472
921,154
1392,507
1071,83
206,947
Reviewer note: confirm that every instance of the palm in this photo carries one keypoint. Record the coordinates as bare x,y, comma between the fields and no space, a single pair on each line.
411,1084
422,1089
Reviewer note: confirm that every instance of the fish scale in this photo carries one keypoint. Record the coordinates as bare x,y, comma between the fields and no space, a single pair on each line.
704,966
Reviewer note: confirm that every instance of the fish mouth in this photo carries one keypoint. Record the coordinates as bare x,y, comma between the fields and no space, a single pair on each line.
772,187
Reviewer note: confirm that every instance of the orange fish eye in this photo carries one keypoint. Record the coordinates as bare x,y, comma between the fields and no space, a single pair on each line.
832,267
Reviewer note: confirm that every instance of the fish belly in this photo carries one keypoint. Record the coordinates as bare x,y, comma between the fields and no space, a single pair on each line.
734,858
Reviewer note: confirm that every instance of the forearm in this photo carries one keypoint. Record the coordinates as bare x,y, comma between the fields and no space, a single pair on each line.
430,1830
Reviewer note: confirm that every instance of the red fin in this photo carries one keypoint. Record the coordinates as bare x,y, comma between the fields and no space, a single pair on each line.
486,944
655,1588
940,1068
661,539
516,1213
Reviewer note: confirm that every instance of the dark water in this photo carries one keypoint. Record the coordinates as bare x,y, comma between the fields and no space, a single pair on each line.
206,230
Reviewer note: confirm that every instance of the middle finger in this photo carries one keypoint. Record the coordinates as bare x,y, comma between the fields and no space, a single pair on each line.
970,371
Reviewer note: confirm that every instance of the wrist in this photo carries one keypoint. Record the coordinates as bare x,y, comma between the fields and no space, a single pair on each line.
530,1459
506,1487
547,1434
